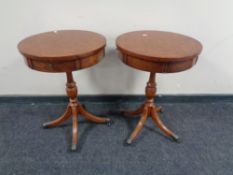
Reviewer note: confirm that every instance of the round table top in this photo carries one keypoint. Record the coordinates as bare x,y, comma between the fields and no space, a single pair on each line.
62,44
158,46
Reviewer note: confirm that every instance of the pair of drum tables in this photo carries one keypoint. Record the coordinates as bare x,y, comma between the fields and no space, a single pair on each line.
70,50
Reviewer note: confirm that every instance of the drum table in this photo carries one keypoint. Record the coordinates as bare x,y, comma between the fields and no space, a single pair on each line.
156,52
65,51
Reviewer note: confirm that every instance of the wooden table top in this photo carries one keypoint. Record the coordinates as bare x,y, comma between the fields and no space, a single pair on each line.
62,44
62,50
158,46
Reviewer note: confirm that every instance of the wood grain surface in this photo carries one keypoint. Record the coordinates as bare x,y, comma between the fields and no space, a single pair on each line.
62,44
63,50
158,51
158,45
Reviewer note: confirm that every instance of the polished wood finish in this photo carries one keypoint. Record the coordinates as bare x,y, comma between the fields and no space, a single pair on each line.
62,51
156,52
160,67
74,108
65,51
159,46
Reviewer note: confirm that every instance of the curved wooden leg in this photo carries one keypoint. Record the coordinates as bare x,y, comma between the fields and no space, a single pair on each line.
136,112
74,128
161,126
59,120
139,126
92,117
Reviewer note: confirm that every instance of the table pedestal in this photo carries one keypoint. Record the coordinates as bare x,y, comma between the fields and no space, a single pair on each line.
149,109
73,109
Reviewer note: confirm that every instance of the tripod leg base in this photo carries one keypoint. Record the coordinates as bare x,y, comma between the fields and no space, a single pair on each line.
74,109
150,109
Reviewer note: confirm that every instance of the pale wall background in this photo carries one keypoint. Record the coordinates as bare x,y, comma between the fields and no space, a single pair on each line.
210,21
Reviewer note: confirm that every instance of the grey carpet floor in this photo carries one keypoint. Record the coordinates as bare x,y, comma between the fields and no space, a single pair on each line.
205,129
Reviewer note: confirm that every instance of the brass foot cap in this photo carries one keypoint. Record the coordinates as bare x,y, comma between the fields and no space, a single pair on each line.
73,147
109,122
129,141
45,125
175,138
